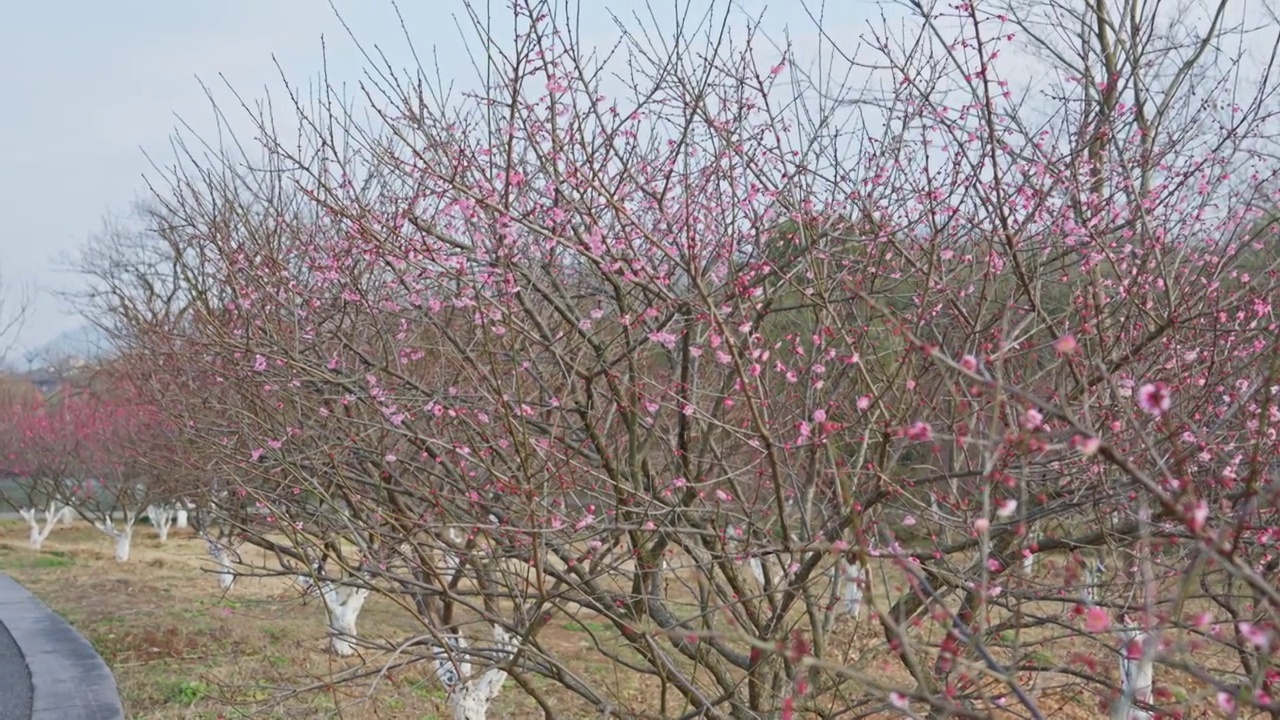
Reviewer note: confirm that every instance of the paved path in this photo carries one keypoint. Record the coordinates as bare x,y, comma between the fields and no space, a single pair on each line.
15,681
67,679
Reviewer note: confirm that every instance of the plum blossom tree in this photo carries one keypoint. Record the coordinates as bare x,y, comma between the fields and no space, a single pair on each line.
80,449
29,464
747,382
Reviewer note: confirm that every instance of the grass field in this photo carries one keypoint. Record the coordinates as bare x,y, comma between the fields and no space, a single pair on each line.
180,649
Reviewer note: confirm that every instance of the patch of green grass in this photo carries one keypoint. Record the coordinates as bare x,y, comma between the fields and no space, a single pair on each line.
52,561
24,559
428,690
188,692
589,626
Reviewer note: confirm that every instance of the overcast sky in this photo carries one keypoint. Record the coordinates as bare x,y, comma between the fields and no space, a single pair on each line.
88,87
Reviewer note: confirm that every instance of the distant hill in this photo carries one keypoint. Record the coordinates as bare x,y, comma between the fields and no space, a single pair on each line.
85,342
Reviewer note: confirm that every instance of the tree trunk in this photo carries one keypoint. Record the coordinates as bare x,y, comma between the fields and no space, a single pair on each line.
124,542
470,700
1137,673
343,604
851,575
222,558
123,537
161,519
38,533
757,569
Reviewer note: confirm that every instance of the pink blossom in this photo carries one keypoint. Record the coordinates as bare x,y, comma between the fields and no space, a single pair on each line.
864,402
1007,508
1199,515
1258,637
919,431
1090,446
1097,620
1154,398
969,363
819,415
1226,702
981,525
665,339
389,458
1066,344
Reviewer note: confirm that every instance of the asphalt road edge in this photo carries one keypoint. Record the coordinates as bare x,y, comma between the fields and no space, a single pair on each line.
69,680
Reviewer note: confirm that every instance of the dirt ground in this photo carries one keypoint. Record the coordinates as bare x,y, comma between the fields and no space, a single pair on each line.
180,649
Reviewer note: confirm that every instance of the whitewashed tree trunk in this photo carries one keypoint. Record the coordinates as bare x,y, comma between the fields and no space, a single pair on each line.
122,535
469,697
161,519
224,559
1137,673
181,517
124,543
38,532
343,604
757,568
1029,560
306,582
852,576
66,515
1092,577
451,561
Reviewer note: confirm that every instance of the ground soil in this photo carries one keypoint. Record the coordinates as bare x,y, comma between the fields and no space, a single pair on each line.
181,649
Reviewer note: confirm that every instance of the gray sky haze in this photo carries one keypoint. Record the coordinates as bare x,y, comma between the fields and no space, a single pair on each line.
91,89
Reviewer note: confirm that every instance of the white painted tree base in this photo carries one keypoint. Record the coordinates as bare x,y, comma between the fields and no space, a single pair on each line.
223,559
1137,674
122,536
1093,575
161,519
343,604
757,569
469,697
852,578
39,533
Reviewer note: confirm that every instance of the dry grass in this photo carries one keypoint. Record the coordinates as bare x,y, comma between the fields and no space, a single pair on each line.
180,649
